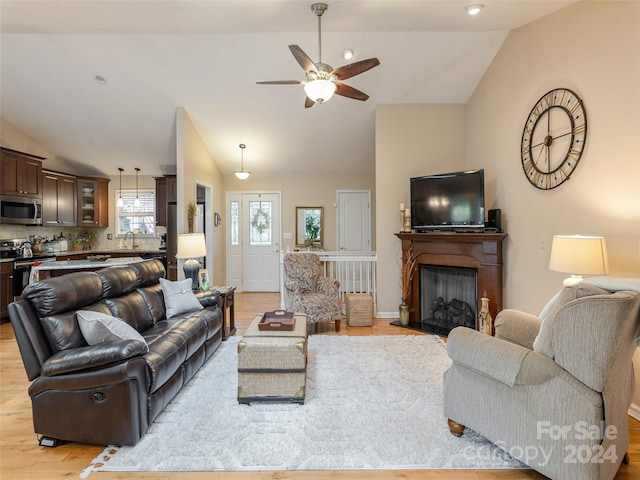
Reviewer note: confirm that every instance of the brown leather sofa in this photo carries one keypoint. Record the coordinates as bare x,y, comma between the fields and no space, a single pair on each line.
109,393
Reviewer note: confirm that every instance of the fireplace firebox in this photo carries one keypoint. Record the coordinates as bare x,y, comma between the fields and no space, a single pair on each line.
468,263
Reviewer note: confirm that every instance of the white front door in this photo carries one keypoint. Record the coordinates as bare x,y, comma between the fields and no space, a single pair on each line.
261,242
354,220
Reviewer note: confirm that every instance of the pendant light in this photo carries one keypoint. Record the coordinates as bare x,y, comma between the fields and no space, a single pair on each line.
120,201
136,202
241,174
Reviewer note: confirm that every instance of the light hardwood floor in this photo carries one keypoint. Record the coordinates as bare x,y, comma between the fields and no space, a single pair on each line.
21,458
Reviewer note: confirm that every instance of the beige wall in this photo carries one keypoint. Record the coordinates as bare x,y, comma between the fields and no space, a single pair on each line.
306,190
592,48
411,140
196,166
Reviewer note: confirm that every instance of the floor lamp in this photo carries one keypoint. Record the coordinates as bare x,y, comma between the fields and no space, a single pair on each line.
190,247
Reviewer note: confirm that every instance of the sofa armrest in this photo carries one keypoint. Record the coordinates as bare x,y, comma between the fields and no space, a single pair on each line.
210,298
499,359
328,286
93,356
517,327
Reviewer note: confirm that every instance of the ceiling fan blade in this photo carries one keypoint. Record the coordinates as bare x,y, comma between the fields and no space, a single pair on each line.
350,92
303,59
353,69
280,82
308,102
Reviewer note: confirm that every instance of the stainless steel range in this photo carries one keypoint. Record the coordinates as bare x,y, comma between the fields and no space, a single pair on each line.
16,248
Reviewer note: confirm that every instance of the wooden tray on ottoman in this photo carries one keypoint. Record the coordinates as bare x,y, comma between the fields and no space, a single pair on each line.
272,364
278,320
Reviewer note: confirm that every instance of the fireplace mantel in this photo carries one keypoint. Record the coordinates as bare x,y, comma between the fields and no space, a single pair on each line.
482,251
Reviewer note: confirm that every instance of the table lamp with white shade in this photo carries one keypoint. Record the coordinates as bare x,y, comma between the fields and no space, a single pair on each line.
190,247
578,255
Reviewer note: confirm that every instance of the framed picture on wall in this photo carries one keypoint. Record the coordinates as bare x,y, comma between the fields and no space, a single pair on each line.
203,279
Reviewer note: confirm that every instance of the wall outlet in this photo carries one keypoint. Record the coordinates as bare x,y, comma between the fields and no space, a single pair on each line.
109,236
287,235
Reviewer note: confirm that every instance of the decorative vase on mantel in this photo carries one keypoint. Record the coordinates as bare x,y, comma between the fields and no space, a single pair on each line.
404,313
190,224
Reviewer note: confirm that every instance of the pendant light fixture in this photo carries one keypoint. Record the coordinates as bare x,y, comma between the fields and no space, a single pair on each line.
136,202
120,201
241,174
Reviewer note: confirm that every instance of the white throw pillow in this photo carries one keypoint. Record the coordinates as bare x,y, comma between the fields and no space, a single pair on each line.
178,297
98,327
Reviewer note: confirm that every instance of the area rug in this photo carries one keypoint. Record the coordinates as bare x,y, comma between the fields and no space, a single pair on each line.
372,402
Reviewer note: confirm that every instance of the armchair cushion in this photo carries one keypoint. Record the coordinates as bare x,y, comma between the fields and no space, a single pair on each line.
544,341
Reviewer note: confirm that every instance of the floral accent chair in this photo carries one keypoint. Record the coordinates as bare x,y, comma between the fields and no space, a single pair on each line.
309,292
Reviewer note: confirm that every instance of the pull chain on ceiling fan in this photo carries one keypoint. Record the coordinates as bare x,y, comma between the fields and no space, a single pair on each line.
322,81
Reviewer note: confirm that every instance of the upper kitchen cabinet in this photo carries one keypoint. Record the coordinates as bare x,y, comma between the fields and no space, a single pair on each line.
21,174
93,202
58,199
161,201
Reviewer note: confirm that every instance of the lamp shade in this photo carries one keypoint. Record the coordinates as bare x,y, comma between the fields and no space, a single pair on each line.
319,90
579,255
191,245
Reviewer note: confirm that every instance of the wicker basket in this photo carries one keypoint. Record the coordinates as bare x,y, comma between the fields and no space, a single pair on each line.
359,309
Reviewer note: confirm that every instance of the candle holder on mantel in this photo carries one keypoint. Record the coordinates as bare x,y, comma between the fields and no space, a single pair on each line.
406,221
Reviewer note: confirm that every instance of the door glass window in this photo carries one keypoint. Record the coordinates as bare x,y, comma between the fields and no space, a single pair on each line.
260,223
235,222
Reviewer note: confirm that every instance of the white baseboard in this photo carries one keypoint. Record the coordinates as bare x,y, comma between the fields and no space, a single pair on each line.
634,411
387,315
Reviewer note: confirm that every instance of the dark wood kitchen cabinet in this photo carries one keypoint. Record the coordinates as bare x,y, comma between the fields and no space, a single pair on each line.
58,199
6,291
166,191
93,202
21,174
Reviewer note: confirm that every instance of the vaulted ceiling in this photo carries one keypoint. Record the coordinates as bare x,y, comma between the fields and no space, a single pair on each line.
207,55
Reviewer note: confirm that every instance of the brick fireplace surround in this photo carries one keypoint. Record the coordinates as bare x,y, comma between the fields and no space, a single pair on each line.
480,251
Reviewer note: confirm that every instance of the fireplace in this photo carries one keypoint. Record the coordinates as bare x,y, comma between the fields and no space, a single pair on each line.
448,298
477,257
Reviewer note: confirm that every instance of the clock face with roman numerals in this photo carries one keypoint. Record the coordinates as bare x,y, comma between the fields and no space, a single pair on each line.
553,138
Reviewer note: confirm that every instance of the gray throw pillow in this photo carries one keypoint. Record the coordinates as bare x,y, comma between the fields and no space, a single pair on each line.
178,297
98,327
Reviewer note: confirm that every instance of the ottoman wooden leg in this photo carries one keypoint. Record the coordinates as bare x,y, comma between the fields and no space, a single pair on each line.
337,325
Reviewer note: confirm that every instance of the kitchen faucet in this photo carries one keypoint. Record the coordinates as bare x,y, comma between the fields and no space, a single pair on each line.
134,245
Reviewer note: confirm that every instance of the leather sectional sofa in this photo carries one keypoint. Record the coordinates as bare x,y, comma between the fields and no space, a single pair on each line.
108,393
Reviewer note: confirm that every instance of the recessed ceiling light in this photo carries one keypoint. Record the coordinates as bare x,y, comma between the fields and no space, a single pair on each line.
474,9
347,54
100,79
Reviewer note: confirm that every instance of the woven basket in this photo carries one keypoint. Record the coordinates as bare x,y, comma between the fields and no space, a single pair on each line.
359,309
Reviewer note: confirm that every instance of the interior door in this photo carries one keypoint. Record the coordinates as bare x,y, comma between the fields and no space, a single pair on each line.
354,220
260,213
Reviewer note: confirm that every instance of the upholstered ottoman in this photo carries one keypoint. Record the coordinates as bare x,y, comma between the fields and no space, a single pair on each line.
272,365
359,309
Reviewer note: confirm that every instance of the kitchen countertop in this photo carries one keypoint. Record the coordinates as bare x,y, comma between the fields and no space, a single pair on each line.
79,265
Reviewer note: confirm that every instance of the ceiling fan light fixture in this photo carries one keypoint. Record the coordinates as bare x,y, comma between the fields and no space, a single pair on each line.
474,9
241,174
320,90
347,54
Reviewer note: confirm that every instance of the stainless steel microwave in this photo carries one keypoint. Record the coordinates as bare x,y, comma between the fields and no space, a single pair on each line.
20,210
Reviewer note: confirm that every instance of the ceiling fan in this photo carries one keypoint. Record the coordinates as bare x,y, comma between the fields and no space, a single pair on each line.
322,81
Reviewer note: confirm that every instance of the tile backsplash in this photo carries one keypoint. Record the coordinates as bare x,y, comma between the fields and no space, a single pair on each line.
102,241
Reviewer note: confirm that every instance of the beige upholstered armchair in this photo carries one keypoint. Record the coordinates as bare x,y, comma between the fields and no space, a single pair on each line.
308,291
554,393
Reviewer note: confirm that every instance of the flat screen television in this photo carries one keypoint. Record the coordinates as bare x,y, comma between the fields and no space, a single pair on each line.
449,201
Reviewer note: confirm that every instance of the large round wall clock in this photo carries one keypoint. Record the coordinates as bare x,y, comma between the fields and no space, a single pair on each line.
553,138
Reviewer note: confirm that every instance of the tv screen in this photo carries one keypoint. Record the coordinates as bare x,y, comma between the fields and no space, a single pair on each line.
448,201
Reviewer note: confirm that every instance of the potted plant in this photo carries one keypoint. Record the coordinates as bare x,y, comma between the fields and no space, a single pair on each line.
192,210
